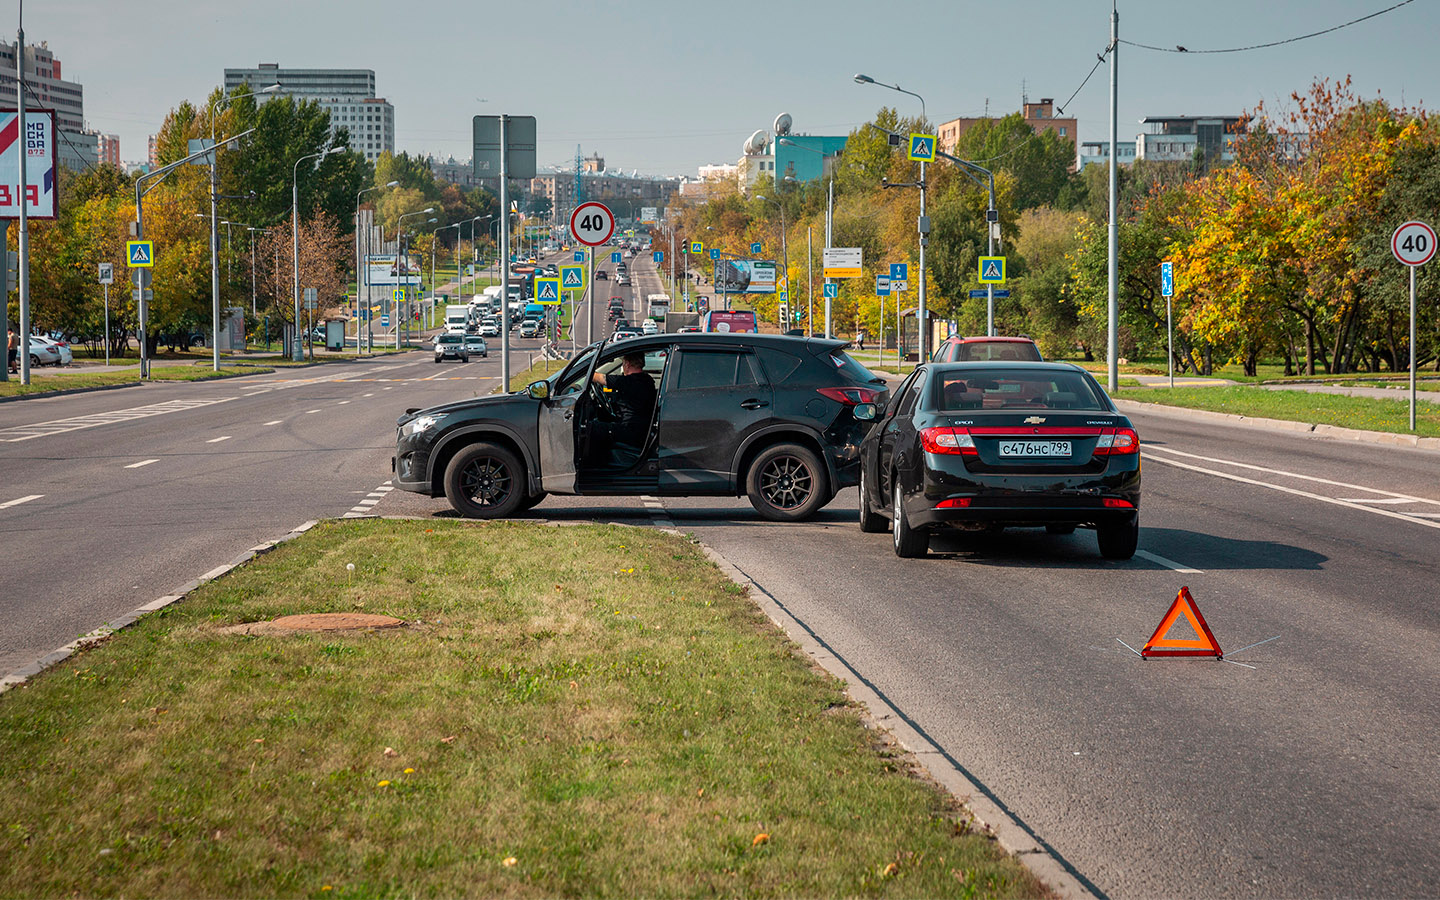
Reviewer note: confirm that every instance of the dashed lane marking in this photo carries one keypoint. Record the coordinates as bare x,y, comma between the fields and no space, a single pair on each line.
274,422
19,500
62,426
366,507
1167,563
311,412
142,463
223,437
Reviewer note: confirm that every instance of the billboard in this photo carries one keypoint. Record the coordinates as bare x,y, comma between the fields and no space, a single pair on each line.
648,215
38,145
745,276
381,270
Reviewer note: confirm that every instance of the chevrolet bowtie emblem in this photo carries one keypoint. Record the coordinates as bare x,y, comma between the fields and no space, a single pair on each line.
1034,420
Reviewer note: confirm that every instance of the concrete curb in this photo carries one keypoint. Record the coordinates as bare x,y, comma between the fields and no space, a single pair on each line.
25,673
1329,432
991,818
85,390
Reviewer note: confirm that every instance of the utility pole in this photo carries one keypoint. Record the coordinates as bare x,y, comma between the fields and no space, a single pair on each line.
1112,305
504,258
23,263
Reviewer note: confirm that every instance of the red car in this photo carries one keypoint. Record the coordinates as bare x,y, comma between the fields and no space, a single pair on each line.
987,349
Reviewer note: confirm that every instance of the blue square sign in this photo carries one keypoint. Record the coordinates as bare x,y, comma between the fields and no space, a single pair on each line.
659,256
832,289
899,271
615,257
579,255
755,248
714,253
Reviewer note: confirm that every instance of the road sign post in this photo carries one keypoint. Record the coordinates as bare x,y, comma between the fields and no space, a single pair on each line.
1167,290
1414,245
592,224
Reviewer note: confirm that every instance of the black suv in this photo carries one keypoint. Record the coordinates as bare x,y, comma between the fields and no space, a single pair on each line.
766,416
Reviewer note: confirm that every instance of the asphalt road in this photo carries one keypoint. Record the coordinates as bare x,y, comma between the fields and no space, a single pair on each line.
1301,767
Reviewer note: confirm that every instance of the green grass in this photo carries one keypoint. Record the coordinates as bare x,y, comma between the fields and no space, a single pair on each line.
1365,413
583,711
539,370
49,384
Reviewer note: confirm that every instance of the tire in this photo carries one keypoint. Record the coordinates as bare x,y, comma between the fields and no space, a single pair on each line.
870,522
1059,528
35,361
787,483
485,481
1118,540
909,542
437,360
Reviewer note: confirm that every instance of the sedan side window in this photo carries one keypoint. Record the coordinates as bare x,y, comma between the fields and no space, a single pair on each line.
900,395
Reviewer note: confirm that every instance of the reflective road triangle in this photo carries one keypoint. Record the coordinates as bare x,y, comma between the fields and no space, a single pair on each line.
1203,644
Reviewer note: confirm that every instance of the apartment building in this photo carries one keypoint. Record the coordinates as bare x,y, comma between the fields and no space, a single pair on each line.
348,94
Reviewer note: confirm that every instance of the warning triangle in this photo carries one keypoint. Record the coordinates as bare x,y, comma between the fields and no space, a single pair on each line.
1204,643
992,270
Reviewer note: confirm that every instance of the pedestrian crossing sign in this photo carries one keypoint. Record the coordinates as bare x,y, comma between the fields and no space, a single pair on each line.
572,278
547,290
141,254
697,247
922,147
992,270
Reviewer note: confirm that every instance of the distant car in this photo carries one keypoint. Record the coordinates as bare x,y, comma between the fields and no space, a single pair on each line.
45,352
688,329
531,328
622,278
622,334
649,327
475,346
982,446
61,347
451,346
987,349
601,276
490,327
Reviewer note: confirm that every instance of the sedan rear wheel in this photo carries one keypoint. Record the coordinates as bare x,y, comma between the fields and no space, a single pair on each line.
870,522
910,543
787,483
485,481
1118,539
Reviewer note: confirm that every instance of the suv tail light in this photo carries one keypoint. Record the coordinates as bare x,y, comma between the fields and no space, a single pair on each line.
1117,442
953,441
851,396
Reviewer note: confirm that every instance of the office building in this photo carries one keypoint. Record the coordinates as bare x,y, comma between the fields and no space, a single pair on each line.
109,149
75,148
347,94
1039,116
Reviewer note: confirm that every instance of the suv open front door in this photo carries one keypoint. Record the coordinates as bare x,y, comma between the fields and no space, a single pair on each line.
557,424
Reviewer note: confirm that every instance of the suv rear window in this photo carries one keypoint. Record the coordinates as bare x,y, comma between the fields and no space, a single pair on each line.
1012,389
852,369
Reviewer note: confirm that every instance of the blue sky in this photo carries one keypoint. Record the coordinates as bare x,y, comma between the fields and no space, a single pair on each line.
664,87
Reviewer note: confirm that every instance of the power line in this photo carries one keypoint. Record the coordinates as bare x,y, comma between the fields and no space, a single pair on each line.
39,107
1181,49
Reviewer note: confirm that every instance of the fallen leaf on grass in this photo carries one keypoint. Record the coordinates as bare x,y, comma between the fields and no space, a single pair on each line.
700,793
890,869
448,740
390,751
761,838
510,861
383,784
258,741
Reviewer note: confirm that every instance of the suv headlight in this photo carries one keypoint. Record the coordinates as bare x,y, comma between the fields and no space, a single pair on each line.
418,425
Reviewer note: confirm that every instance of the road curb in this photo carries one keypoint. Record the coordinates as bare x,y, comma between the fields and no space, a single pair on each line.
991,817
25,673
1329,432
85,390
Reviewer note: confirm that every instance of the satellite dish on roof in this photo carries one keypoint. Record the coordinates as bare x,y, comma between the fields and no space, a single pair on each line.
782,124
756,144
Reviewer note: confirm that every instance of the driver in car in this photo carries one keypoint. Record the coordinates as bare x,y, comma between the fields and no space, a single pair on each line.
631,404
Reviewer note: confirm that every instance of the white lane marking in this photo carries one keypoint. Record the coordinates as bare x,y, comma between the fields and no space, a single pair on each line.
1297,492
343,402
274,422
1318,480
366,507
311,412
367,395
142,463
1376,500
16,502
367,502
1426,515
385,389
1167,563
61,426
223,437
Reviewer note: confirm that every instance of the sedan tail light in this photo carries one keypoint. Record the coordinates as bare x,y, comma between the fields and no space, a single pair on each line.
1117,503
1117,442
953,441
850,396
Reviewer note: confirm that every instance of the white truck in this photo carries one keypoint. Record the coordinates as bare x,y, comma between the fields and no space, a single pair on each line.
457,318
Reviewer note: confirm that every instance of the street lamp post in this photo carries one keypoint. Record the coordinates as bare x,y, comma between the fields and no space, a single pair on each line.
251,229
472,251
829,215
296,353
400,261
922,227
360,263
785,249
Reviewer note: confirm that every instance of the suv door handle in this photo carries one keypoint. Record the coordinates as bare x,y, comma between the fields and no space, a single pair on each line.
752,403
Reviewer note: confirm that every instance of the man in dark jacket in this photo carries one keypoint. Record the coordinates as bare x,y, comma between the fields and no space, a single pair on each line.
632,405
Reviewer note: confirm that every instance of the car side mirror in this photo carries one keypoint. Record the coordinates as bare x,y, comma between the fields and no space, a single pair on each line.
539,390
865,412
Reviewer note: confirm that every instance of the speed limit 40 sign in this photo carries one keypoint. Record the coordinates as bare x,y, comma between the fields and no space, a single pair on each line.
1413,243
592,223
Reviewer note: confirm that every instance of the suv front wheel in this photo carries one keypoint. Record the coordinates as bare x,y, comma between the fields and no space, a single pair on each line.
787,483
485,481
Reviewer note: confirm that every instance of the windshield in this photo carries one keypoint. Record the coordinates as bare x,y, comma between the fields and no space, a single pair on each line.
1016,389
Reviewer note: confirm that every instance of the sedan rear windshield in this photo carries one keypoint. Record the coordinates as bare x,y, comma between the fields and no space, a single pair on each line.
1014,389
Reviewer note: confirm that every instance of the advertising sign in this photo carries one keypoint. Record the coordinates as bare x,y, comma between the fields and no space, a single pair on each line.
843,262
382,269
38,146
649,215
745,276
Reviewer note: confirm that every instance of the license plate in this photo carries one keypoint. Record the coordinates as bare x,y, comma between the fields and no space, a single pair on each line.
1035,448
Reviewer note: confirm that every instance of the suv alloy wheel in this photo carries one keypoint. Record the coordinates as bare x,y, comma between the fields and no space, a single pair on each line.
786,483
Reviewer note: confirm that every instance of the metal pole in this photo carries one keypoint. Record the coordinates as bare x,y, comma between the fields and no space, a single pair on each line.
590,310
295,351
1113,302
504,261
107,324
990,287
810,289
1170,339
22,265
1412,348
214,252
829,235
253,308
5,300
922,320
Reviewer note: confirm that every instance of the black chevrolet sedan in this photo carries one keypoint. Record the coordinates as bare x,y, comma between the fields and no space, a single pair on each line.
764,416
985,446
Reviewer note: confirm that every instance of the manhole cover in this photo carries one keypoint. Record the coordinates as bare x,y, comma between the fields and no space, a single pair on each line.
310,622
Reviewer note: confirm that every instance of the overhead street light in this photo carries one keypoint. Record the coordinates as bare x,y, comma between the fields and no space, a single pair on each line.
785,248
296,353
360,267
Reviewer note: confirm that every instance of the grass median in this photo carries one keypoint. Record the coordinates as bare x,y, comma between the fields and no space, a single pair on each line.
1367,413
587,710
49,384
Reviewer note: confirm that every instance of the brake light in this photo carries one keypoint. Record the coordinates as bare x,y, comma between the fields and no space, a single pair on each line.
850,396
1117,503
954,503
953,441
1117,442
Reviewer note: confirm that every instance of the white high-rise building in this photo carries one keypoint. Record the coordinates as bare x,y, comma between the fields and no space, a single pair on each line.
348,94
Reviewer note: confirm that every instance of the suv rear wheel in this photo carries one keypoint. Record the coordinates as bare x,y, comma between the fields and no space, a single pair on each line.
787,483
485,481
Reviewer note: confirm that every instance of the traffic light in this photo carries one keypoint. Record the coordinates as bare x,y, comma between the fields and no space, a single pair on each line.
784,312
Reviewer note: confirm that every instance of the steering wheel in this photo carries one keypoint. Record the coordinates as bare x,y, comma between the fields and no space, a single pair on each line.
602,403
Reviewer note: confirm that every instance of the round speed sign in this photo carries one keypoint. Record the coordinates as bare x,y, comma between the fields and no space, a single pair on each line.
1413,243
592,223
